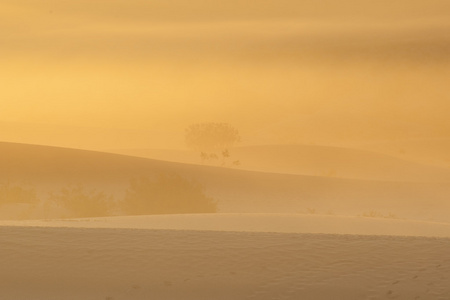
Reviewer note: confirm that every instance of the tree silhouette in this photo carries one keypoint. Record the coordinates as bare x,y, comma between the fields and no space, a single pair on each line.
212,140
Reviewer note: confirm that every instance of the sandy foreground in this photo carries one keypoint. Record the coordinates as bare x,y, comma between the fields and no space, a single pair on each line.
148,257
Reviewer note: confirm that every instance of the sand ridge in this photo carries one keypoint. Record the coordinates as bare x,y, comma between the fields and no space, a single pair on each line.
281,223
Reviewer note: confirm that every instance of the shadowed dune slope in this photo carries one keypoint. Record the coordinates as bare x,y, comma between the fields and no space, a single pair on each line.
313,160
235,190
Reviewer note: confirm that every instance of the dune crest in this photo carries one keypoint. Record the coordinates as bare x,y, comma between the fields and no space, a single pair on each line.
283,223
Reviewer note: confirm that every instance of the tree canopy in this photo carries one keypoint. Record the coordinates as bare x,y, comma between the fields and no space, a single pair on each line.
211,137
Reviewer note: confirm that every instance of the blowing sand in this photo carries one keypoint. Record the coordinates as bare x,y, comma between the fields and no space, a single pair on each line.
134,258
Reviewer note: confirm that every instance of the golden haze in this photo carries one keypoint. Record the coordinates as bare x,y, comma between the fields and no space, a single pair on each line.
138,72
339,188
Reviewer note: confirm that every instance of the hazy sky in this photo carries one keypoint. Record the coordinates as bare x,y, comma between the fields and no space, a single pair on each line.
130,73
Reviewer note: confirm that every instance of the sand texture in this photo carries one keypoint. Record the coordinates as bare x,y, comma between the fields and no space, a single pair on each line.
75,263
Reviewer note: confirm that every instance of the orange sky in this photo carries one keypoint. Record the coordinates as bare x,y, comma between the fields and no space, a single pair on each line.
109,74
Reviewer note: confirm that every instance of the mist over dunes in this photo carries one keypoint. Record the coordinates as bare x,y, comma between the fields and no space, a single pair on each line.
314,160
318,136
236,191
177,63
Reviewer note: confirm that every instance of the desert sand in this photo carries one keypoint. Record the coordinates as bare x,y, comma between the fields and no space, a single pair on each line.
223,257
230,150
275,236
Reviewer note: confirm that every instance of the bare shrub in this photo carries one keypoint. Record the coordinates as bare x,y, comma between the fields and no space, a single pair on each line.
14,193
79,203
377,214
166,194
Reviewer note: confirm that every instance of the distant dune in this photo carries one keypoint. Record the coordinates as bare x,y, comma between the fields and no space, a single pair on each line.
435,151
236,191
312,160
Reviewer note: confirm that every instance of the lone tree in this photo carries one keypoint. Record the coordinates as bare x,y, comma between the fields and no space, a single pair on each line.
212,140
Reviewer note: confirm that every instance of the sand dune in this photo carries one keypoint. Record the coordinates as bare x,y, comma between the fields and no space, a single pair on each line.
293,222
236,191
434,151
225,256
282,223
312,160
80,263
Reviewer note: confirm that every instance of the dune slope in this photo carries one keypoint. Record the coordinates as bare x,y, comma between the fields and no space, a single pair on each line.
236,191
312,160
75,263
